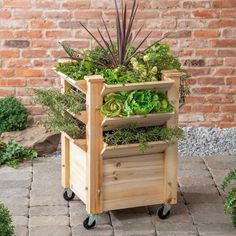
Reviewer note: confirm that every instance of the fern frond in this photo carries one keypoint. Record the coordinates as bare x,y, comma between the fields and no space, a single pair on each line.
229,178
230,200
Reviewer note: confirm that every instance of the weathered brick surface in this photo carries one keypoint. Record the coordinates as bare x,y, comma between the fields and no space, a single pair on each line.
202,35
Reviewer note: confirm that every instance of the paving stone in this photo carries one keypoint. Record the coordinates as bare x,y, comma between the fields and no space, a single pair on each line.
21,231
50,200
35,221
134,230
48,211
11,174
50,231
20,220
179,229
18,209
99,230
6,184
179,213
16,192
195,181
216,228
78,214
194,173
220,162
15,200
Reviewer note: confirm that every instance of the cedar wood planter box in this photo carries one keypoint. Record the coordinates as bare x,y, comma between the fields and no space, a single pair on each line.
116,177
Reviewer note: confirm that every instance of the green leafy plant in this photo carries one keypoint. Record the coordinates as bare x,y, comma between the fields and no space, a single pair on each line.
6,226
59,108
12,154
230,201
138,102
142,135
13,115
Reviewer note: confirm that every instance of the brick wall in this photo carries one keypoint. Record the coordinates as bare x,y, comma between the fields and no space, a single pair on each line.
204,38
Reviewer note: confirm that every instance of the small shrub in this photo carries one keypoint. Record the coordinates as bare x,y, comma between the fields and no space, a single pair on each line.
13,115
6,227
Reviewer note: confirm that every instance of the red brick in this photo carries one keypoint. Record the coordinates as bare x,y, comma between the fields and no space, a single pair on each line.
16,43
44,44
6,34
16,82
205,90
224,71
194,99
160,4
40,82
220,99
27,14
6,73
47,4
6,91
214,62
44,63
205,108
78,44
228,13
34,53
229,108
227,52
196,4
87,14
230,62
206,52
185,109
218,117
231,81
28,34
17,3
180,34
226,125
77,4
58,34
206,13
228,90
28,72
19,63
41,24
9,53
58,15
224,4
198,71
176,14
221,23
211,81
223,43
206,33
4,14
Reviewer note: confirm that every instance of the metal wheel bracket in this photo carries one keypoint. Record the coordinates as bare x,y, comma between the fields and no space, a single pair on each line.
69,192
166,209
92,218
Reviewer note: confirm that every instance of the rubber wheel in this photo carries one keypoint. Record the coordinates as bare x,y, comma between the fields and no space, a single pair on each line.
161,215
66,197
86,225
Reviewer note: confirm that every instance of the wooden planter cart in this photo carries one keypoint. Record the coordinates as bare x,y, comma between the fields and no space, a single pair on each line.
116,177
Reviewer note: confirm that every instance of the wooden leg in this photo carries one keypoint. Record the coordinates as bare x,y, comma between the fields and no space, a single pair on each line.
65,161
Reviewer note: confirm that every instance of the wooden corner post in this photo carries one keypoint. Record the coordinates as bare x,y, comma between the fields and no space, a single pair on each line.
95,144
65,149
171,153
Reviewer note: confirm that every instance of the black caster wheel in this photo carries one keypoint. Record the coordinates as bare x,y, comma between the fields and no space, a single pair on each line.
164,213
68,195
87,225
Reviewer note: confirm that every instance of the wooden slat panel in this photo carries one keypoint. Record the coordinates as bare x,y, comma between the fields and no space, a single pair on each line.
160,85
78,84
78,171
82,143
132,149
139,120
65,161
133,181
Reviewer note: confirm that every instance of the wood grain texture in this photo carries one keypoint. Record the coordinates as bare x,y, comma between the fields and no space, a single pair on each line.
132,149
65,162
140,120
95,144
133,181
78,158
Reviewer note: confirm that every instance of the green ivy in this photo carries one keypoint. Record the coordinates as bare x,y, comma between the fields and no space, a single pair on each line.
230,200
6,226
13,115
12,154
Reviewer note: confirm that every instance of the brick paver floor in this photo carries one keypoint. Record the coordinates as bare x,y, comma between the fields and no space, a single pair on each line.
33,194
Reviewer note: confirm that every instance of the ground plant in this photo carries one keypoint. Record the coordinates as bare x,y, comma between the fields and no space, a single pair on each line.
12,153
230,200
13,115
6,227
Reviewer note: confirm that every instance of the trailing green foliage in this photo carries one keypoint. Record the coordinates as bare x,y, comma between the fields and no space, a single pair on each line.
142,135
138,102
6,226
59,106
12,154
230,200
13,115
